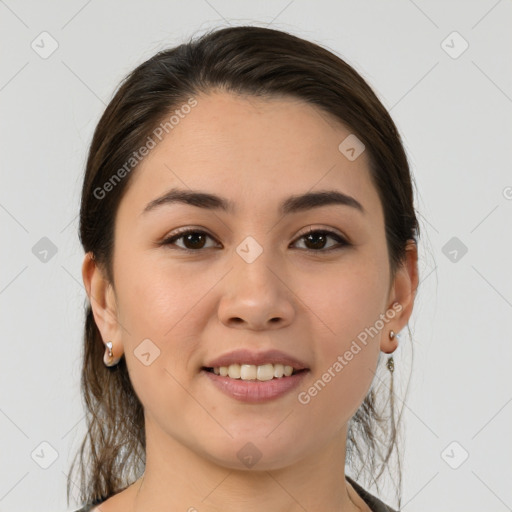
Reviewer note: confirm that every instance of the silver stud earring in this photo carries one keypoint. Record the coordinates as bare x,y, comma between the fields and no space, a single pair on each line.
108,358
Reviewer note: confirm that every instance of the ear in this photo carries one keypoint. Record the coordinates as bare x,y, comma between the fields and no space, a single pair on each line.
402,294
103,303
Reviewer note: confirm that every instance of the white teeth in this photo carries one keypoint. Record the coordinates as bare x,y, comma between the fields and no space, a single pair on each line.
278,370
248,372
265,372
234,371
252,372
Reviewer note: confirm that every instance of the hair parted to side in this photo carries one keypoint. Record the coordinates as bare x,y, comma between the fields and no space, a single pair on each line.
245,60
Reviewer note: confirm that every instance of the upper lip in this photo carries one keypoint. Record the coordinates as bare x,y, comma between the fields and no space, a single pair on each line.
244,356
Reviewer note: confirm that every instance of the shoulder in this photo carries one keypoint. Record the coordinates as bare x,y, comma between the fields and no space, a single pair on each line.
92,507
372,501
121,500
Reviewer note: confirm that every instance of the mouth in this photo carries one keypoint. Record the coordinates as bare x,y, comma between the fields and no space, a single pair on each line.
262,373
254,384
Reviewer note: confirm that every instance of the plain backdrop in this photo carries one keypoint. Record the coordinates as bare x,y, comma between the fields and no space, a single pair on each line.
442,68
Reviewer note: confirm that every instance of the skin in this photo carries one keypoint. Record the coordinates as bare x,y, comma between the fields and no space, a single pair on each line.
194,307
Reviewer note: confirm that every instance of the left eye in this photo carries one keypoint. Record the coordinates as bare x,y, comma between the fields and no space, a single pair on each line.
318,237
194,240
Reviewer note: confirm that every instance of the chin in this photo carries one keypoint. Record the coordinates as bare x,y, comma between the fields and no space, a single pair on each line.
253,452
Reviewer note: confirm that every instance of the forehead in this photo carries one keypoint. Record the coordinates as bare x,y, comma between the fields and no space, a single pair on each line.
254,149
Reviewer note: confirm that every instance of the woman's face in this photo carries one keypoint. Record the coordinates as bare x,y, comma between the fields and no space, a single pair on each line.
252,279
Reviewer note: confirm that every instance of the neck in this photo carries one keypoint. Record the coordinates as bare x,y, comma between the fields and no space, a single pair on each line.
179,478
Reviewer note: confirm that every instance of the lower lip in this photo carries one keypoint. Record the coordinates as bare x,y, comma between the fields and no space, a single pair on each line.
256,391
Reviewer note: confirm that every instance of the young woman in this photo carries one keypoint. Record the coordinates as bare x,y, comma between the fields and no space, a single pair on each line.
250,249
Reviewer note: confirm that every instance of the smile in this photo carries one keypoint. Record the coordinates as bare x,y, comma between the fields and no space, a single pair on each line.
262,372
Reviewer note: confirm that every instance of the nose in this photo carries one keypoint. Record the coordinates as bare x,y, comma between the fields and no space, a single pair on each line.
255,296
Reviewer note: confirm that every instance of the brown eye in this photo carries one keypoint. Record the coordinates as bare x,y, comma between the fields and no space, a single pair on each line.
315,240
193,240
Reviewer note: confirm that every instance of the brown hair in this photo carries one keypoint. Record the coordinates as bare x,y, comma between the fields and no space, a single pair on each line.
245,60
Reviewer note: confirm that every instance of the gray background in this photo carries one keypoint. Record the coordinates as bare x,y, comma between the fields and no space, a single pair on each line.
454,112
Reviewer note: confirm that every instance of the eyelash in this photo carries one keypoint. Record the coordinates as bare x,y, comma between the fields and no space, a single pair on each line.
330,234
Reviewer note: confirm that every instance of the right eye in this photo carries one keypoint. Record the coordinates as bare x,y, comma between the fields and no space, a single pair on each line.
193,237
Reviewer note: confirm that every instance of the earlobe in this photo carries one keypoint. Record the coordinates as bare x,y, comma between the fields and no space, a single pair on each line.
390,344
108,358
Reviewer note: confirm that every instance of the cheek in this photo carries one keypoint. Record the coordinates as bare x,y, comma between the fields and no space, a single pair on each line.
155,296
340,380
348,306
346,300
163,305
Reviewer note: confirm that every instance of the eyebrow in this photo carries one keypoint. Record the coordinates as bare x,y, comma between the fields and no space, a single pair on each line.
293,204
